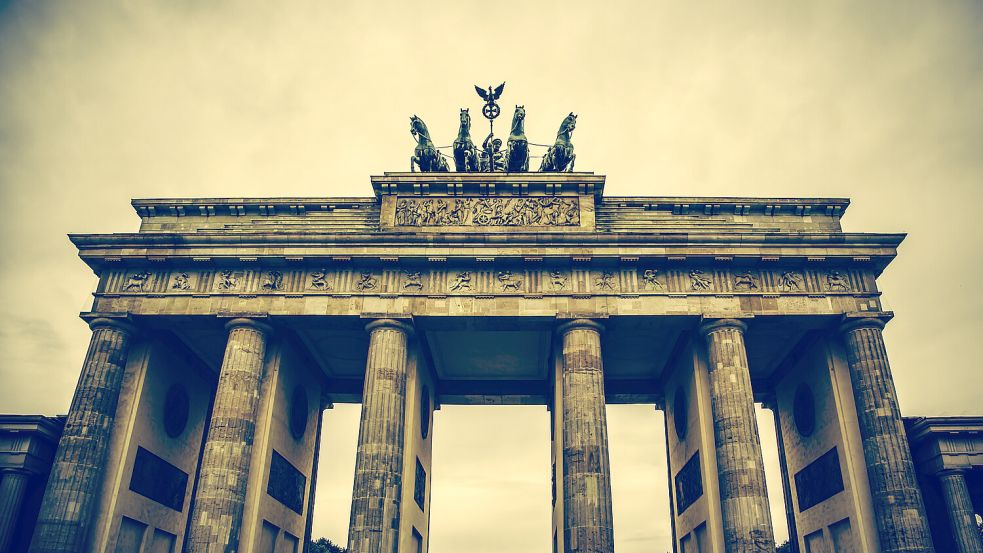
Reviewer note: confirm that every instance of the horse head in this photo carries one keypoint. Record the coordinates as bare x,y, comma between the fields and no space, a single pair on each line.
419,130
518,120
568,125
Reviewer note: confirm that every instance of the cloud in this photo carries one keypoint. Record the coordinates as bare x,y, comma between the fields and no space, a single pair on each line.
101,102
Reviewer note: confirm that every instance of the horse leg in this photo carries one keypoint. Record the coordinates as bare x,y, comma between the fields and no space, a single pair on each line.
412,161
573,158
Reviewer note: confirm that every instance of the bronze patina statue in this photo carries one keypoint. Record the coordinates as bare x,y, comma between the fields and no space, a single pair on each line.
491,109
560,156
426,156
492,156
517,159
465,152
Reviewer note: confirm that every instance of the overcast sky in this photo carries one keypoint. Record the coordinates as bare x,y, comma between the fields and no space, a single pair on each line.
101,102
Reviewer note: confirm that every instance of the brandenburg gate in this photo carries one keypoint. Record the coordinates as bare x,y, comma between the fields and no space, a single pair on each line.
223,328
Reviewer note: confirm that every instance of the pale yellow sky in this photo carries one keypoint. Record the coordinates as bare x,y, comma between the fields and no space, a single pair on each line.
101,102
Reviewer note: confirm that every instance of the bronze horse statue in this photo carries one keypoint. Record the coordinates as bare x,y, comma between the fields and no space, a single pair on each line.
517,159
465,152
560,156
425,156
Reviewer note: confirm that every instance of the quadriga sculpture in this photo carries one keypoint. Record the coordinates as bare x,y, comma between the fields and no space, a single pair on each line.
465,152
517,158
425,156
560,156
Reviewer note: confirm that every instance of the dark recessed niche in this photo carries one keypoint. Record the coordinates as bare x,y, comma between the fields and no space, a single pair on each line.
176,407
679,408
688,483
819,480
804,410
286,483
420,485
158,480
425,412
299,408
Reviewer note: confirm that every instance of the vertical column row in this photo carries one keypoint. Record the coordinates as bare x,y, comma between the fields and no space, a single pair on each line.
224,473
79,463
743,497
587,517
13,483
898,508
378,488
962,518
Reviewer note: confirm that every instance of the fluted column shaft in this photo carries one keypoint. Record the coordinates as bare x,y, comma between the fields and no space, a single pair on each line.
962,518
740,466
13,482
79,465
224,473
587,519
378,488
898,508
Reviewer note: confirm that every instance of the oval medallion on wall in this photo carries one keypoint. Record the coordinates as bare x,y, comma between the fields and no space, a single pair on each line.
299,408
176,407
679,413
425,412
804,410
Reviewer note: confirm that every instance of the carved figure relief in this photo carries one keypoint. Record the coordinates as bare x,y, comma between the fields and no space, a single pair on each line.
461,282
558,280
835,281
509,282
605,281
700,281
137,281
319,280
182,281
228,280
790,281
412,279
502,212
746,280
366,282
273,280
651,279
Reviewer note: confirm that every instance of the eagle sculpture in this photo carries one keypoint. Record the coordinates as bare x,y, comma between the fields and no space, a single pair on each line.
490,95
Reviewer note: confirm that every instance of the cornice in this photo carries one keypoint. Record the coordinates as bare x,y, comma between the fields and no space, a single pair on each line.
468,240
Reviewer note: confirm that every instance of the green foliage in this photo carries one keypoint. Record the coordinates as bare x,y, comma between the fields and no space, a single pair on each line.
324,545
784,548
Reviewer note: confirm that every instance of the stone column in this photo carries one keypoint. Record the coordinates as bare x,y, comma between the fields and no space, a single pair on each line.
962,517
740,466
13,482
793,535
378,488
898,509
224,472
587,520
79,464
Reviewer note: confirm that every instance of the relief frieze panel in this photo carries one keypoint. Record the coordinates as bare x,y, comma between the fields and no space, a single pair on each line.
485,278
550,211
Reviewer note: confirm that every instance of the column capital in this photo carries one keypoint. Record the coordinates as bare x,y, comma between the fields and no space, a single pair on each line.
951,472
247,322
856,321
115,321
22,471
709,325
395,324
580,324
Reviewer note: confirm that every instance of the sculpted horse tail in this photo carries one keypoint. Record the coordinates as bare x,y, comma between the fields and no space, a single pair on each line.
465,152
517,158
425,156
560,156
